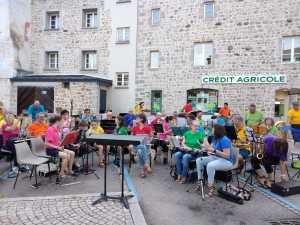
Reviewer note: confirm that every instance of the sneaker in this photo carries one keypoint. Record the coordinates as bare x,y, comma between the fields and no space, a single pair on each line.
76,164
165,161
24,167
16,169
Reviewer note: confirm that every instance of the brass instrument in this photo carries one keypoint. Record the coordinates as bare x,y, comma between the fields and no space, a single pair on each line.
280,133
261,150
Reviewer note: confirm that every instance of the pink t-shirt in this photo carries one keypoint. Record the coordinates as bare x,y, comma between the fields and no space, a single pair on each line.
162,136
8,134
65,122
52,136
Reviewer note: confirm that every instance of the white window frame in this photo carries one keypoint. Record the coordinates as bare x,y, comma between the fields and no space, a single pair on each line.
202,59
94,22
292,50
205,5
154,64
123,79
123,40
56,21
153,21
93,61
56,59
48,13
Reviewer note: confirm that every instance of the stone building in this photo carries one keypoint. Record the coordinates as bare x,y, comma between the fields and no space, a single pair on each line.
184,48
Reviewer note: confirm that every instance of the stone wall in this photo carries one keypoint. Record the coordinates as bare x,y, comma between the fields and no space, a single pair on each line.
70,38
253,28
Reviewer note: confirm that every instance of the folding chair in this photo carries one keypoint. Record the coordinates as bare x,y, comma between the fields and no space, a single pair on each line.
38,147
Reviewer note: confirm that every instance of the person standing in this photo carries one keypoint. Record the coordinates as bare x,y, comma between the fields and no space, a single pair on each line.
129,117
188,107
225,111
34,109
293,116
139,108
253,116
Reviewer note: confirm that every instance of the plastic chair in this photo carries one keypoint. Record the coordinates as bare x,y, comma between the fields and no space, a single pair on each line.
25,157
235,164
9,154
38,147
295,150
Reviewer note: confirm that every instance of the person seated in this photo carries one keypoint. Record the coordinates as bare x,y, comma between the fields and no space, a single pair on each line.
219,119
109,116
158,119
129,117
39,127
53,149
67,122
225,111
245,150
10,131
58,111
142,128
87,117
200,120
187,109
95,129
275,151
222,159
270,127
191,140
175,116
78,117
163,137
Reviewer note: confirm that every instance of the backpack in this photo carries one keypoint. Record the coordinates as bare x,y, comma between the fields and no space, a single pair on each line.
43,171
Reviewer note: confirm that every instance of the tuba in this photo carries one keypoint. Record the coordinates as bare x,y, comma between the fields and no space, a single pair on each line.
280,133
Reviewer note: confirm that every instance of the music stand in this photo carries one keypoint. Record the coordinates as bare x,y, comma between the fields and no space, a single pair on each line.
108,125
260,130
119,140
158,128
231,134
179,131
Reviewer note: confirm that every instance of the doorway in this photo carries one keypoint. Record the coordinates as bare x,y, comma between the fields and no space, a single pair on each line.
156,102
103,94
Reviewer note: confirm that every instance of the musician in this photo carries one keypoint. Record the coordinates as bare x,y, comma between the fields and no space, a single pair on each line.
222,159
3,112
275,153
139,107
189,120
189,143
2,121
199,118
175,116
245,150
188,107
158,119
87,116
270,128
293,116
253,116
34,109
142,128
225,111
219,119
39,127
78,117
58,111
10,130
129,117
163,137
53,149
95,129
66,124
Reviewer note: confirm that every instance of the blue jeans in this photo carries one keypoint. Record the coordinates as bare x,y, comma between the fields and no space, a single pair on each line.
244,153
186,158
212,164
142,152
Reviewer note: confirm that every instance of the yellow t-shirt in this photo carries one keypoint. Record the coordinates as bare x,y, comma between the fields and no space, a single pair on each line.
137,108
2,122
98,130
294,115
242,134
1,116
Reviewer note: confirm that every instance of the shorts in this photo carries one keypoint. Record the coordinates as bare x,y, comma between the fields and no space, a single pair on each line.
51,152
244,153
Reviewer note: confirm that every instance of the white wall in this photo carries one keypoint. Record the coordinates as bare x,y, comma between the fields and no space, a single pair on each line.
122,57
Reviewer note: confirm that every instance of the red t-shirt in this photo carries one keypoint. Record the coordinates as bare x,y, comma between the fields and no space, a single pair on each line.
155,122
188,108
145,130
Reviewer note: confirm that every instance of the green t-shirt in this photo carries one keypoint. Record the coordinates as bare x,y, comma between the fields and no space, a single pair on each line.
122,130
256,117
191,139
273,131
201,121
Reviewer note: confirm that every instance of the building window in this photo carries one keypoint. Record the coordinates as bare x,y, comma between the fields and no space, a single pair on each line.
90,60
203,54
123,0
52,20
51,60
155,16
291,49
123,34
154,59
205,100
90,18
209,10
122,79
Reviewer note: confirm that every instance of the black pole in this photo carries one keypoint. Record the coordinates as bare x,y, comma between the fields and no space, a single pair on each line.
72,107
122,193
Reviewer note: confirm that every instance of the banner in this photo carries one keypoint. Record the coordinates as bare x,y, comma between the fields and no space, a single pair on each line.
244,79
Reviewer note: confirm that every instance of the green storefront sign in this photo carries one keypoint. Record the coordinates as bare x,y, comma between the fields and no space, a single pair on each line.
244,79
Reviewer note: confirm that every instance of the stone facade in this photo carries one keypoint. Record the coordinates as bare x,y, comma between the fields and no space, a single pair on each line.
247,40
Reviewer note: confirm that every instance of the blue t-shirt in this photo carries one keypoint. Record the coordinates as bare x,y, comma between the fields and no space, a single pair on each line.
221,121
33,111
128,119
200,129
223,142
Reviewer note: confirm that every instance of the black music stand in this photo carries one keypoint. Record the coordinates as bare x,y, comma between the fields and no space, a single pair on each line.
179,131
119,140
108,125
231,134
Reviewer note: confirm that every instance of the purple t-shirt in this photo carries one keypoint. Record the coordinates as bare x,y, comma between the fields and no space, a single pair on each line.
9,134
270,151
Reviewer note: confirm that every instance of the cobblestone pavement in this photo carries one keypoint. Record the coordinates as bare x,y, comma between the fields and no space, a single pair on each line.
63,210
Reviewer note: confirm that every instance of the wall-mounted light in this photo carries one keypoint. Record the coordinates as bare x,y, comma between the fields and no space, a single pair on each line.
147,93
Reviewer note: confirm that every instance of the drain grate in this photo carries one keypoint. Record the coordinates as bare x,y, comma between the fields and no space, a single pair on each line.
285,222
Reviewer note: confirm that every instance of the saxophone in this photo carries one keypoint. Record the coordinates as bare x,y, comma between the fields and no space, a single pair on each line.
261,154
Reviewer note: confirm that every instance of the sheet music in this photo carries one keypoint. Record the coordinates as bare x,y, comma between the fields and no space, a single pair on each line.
174,141
134,122
150,119
250,134
181,122
211,122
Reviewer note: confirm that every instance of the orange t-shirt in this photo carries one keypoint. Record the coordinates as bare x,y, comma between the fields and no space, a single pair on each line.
225,111
36,129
